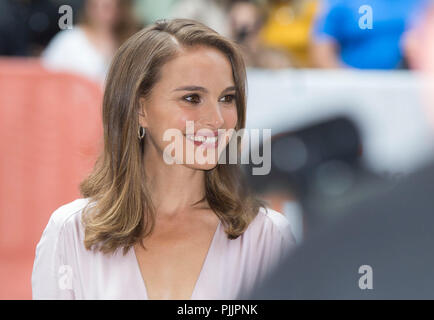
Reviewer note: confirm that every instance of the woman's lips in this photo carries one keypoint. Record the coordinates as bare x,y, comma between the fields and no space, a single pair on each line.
204,141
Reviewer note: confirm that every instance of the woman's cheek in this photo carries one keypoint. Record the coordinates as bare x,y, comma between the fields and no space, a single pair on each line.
231,118
183,120
182,123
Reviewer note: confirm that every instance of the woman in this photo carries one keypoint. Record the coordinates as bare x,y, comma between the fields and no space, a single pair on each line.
149,229
88,48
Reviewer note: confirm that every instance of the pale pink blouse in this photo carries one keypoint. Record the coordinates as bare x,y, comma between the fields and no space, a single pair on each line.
64,269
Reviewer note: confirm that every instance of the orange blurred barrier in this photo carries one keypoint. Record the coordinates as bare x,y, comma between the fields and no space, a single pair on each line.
50,136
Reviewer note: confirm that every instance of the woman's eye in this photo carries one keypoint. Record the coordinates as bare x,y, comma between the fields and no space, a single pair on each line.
194,98
229,98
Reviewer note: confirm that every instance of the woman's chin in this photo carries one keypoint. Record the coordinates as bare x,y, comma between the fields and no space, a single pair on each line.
205,166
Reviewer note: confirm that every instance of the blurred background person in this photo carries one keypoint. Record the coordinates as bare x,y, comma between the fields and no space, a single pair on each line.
246,20
363,34
87,49
419,48
240,20
382,248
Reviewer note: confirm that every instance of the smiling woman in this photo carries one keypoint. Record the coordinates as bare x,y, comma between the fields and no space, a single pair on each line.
146,229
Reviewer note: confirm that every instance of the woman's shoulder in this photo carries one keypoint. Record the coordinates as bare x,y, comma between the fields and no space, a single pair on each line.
58,241
268,216
266,242
68,214
276,218
270,223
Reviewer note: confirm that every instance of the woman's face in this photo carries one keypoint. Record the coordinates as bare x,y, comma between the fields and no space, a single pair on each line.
196,86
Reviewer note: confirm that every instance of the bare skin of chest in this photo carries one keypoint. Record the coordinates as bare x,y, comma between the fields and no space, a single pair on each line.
174,256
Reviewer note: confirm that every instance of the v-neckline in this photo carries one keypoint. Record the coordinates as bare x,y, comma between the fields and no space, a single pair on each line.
139,273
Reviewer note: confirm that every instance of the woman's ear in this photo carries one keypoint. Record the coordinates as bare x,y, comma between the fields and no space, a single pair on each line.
142,113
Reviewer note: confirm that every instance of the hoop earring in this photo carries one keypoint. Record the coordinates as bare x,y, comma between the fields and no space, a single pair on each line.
141,132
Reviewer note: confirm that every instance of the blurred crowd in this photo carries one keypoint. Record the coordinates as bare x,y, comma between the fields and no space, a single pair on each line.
273,34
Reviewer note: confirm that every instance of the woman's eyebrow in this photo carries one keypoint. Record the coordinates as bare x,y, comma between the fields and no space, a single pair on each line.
231,88
197,88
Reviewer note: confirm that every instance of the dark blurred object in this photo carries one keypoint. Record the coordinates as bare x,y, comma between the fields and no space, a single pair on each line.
353,219
392,233
241,34
26,27
321,166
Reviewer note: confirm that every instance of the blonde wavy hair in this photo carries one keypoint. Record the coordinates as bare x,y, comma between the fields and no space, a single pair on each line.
120,212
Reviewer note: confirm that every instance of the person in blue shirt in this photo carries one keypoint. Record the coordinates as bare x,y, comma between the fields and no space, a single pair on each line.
364,34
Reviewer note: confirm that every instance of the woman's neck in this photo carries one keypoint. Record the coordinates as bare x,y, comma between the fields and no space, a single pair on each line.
174,188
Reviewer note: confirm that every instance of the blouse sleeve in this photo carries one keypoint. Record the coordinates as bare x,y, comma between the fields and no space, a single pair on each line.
52,276
281,241
272,240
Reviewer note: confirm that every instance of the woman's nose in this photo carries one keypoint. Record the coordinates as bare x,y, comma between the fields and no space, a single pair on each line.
213,116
